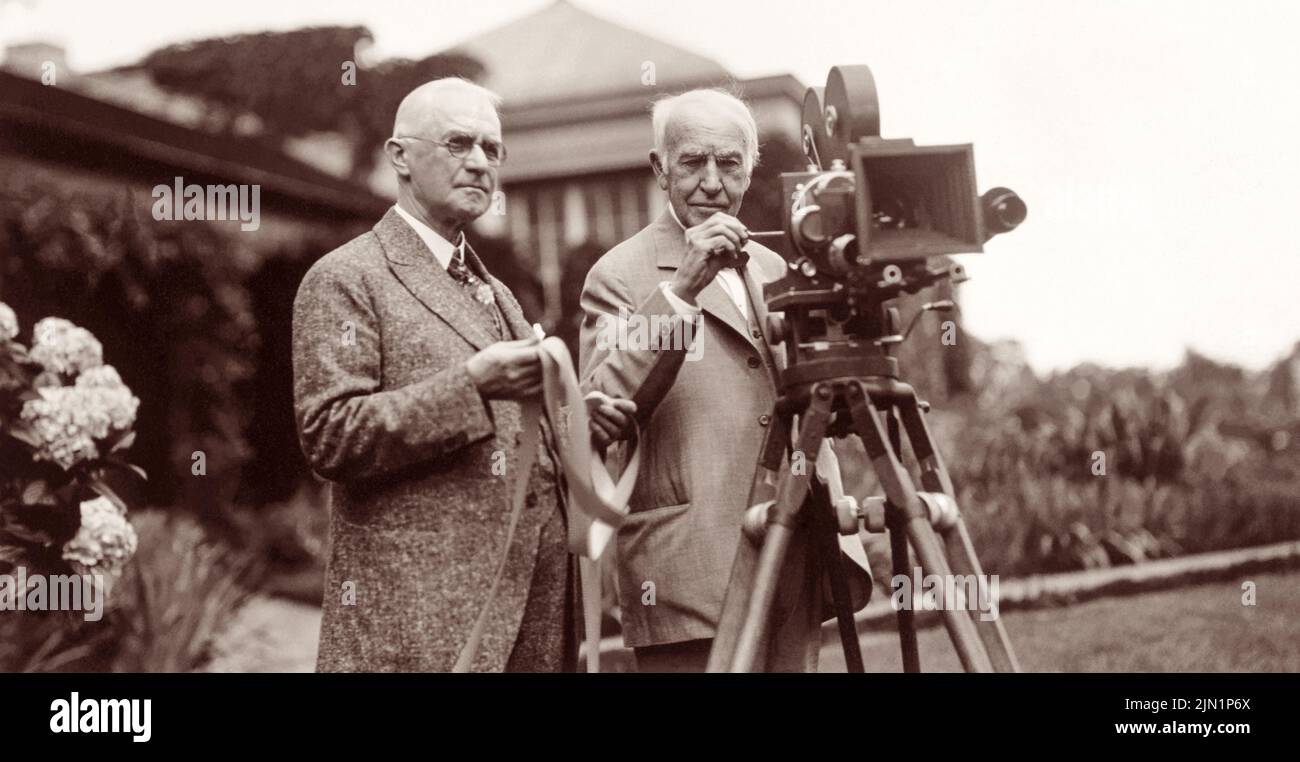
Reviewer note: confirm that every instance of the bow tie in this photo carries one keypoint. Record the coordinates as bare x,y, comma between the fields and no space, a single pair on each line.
739,262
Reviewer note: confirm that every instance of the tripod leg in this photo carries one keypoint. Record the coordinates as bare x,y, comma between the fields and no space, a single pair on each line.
916,522
827,550
900,562
752,639
792,489
740,584
906,618
734,605
992,631
961,551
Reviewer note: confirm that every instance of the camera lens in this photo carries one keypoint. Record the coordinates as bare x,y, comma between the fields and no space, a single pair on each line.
1003,211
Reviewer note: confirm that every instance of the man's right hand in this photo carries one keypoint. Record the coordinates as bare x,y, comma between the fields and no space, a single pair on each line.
710,246
508,370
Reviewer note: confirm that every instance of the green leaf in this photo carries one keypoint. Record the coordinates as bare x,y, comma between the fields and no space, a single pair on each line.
24,435
26,534
67,492
103,489
38,493
126,441
124,465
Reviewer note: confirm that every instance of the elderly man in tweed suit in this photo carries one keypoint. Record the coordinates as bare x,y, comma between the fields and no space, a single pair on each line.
410,361
703,408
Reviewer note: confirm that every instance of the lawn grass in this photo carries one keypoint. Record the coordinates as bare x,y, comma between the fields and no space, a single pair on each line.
1200,628
1204,628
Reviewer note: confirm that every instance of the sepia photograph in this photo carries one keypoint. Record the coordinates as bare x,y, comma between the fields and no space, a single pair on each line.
678,336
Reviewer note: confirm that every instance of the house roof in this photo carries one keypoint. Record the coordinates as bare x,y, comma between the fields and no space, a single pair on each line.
611,133
563,52
566,75
63,126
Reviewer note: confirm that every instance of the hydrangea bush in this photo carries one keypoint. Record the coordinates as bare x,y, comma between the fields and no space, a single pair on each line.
66,419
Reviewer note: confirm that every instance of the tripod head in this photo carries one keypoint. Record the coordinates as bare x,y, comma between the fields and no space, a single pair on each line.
870,219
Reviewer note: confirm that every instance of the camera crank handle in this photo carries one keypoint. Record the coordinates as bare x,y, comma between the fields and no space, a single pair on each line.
943,305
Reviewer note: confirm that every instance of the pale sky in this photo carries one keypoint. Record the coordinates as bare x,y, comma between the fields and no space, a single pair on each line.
1156,143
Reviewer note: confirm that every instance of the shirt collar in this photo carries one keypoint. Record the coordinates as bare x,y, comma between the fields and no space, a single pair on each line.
443,250
674,215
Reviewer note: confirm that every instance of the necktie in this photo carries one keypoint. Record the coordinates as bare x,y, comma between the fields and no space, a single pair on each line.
481,292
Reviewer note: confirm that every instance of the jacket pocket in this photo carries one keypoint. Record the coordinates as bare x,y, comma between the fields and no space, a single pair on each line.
648,515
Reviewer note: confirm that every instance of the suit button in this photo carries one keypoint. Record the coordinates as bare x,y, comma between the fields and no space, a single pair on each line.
754,362
764,419
756,333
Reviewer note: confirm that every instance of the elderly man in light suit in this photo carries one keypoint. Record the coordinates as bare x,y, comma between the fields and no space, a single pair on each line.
410,363
703,408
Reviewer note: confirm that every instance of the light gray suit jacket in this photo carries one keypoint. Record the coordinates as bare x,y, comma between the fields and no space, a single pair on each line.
702,425
386,411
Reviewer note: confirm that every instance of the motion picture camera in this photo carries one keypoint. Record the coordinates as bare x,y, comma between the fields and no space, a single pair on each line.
864,223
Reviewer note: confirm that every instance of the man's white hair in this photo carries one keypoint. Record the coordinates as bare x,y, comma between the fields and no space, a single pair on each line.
414,108
720,100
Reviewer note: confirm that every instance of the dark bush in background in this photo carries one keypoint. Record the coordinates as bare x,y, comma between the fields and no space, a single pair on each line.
194,318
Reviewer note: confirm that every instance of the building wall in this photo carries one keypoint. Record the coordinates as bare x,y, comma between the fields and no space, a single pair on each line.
545,219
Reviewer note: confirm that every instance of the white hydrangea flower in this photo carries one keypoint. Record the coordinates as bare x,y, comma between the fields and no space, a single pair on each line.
65,432
8,323
102,376
69,421
105,393
63,347
105,542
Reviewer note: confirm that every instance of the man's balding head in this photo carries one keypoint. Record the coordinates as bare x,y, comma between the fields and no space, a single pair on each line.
711,106
427,103
433,121
706,145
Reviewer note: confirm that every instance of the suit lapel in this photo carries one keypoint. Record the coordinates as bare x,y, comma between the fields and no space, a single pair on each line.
415,267
714,300
754,286
761,270
755,277
670,250
516,325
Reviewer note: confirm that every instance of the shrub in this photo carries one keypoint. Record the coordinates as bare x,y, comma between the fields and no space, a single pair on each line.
176,597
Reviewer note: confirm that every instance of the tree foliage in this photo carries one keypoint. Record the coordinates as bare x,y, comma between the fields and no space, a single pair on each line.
296,83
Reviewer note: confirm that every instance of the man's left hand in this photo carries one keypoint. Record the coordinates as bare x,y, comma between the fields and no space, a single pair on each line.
612,419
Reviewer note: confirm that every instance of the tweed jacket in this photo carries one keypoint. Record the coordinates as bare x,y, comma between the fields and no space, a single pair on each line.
420,501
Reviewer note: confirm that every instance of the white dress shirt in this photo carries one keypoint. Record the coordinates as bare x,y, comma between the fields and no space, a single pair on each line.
728,277
443,250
